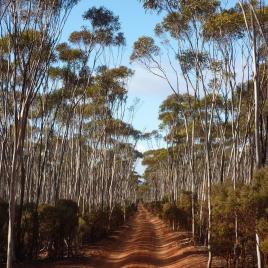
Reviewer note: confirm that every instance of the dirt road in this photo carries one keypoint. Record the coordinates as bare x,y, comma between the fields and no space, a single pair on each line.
144,242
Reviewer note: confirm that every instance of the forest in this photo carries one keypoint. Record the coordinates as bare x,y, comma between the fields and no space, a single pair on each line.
69,147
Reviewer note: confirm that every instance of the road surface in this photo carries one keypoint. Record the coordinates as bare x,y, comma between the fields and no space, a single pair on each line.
142,243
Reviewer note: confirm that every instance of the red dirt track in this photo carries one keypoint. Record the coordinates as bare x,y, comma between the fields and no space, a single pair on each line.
144,242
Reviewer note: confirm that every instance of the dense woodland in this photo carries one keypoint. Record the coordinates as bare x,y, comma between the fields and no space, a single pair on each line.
68,146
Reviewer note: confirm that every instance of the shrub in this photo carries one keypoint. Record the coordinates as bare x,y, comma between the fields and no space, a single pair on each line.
247,205
155,207
84,230
184,204
58,224
28,246
98,221
68,222
48,228
116,217
171,214
129,210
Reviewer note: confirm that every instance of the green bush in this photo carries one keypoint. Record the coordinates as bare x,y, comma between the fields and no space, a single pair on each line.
49,226
96,225
84,230
98,221
129,210
58,224
116,217
68,222
155,207
58,230
27,247
246,205
184,204
171,214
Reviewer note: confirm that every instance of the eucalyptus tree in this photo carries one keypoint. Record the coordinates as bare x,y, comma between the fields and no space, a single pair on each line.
29,33
182,31
177,113
226,28
255,19
66,101
157,168
63,124
200,42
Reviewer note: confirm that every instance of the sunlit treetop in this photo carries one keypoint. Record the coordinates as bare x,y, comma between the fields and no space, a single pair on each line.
144,47
81,37
104,29
174,23
188,8
198,8
68,54
153,157
159,5
48,4
27,40
228,23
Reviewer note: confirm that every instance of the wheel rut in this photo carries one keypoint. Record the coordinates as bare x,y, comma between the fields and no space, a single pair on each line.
144,242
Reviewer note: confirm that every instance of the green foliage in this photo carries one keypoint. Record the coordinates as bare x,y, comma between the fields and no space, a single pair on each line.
105,27
102,18
174,23
177,215
144,48
171,214
58,223
130,209
198,9
81,37
54,5
49,223
155,207
248,204
227,24
191,59
53,228
260,205
159,5
263,229
223,232
185,202
68,214
67,54
96,225
29,223
116,217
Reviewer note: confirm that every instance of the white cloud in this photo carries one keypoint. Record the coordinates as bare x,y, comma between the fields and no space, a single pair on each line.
144,83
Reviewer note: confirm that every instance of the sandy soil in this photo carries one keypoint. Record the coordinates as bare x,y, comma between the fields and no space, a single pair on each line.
144,242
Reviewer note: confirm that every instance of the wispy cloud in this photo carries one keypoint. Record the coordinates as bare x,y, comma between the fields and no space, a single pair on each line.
144,83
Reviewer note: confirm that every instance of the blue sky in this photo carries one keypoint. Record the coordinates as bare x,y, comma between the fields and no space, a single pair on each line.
150,90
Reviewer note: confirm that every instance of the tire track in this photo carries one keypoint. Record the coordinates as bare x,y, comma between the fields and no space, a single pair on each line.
144,242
